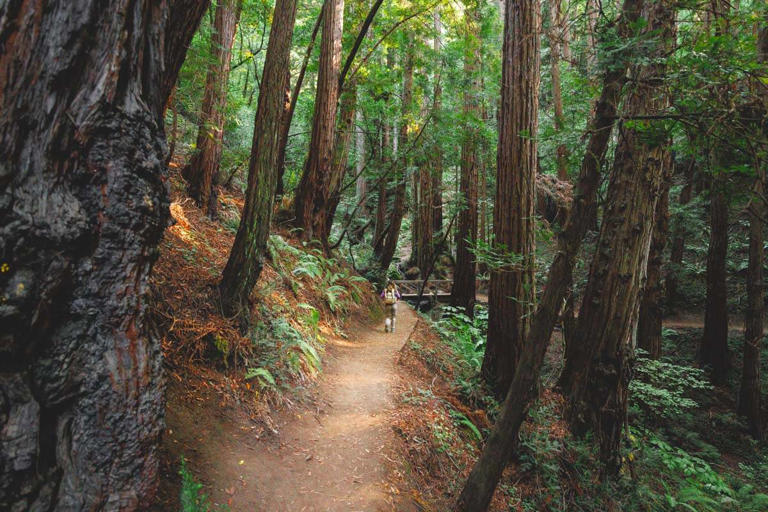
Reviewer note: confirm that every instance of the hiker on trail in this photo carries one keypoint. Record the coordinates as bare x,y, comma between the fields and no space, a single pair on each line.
391,295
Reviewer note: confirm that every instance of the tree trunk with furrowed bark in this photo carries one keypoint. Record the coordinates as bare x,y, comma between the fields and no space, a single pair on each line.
313,191
202,170
598,375
83,205
511,295
246,259
464,277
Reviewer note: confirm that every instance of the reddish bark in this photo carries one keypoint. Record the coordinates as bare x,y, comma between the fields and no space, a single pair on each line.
464,278
83,206
313,192
511,295
651,305
203,169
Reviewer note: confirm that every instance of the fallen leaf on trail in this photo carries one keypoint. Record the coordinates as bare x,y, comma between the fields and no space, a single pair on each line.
241,462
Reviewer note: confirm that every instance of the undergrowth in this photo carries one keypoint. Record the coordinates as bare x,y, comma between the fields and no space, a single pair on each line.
684,450
191,496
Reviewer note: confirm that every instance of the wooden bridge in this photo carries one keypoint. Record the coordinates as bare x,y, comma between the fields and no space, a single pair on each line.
440,289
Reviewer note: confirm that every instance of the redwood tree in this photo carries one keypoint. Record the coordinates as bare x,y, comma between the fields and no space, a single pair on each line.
203,168
677,247
598,375
482,481
83,205
555,35
313,192
749,394
246,259
463,292
511,295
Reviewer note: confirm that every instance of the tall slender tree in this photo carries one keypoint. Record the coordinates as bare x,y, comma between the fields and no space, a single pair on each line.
749,393
392,234
651,305
246,259
202,170
511,295
313,192
713,351
556,37
437,157
677,247
346,128
463,292
83,206
714,342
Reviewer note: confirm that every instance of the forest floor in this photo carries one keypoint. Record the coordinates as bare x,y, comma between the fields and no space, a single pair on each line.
332,452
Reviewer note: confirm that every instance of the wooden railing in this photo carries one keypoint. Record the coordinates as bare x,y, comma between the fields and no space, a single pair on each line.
439,287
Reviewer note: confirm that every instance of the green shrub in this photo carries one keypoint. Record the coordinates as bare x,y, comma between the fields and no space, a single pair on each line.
191,496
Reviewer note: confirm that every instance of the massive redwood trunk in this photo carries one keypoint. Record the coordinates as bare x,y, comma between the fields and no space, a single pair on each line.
714,343
285,126
511,295
202,170
600,370
83,205
314,189
500,445
651,305
246,259
464,277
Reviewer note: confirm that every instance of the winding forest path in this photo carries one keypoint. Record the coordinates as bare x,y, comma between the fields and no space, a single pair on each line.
329,455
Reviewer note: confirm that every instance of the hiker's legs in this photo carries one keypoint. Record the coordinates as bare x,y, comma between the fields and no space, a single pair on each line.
389,324
394,316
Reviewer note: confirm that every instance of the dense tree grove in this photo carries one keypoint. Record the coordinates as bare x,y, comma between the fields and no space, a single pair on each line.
587,175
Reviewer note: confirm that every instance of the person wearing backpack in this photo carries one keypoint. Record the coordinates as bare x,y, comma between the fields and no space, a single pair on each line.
391,295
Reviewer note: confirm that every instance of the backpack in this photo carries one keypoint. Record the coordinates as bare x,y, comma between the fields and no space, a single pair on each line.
389,297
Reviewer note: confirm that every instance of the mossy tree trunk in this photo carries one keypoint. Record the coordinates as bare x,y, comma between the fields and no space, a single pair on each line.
246,259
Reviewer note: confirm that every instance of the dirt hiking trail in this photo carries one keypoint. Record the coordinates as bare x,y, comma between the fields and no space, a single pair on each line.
328,455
